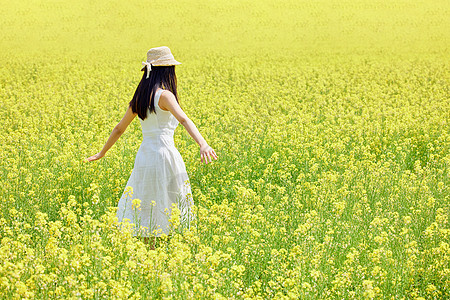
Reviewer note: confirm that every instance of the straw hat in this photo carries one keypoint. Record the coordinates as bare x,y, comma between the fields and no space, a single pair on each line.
159,56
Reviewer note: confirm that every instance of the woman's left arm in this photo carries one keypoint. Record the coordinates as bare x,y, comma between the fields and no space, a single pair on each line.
115,134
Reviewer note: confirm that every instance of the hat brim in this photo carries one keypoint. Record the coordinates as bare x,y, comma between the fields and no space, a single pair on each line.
172,63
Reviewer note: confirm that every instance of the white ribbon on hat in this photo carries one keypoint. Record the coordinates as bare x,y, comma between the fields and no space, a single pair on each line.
149,67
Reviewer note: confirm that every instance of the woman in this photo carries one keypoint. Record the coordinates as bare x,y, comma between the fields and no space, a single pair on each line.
159,176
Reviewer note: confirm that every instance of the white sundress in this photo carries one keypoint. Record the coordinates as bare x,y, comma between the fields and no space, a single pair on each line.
159,176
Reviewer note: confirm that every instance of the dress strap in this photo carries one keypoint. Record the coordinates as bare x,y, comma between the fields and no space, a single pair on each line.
157,96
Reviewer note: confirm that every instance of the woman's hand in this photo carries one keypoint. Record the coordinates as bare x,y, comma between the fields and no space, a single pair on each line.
207,152
95,157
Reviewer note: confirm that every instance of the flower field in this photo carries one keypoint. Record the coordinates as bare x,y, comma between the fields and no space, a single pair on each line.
330,120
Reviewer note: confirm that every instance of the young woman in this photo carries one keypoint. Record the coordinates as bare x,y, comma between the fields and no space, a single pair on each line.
159,176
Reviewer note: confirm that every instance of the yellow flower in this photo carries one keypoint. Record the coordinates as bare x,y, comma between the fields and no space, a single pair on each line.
306,286
136,204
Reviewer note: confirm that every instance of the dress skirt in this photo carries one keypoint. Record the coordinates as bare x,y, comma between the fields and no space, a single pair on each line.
158,179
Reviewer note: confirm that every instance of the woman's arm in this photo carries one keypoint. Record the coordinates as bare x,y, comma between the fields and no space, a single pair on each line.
169,102
115,134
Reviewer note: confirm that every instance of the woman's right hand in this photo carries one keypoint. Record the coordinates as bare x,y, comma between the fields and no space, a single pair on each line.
207,152
94,157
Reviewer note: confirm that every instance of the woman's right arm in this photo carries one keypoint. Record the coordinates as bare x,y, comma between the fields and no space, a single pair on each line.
169,102
115,134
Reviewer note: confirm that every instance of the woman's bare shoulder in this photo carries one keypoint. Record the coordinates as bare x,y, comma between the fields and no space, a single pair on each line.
167,93
165,99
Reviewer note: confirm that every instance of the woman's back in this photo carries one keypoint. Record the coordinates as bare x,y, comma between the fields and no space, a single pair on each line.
163,122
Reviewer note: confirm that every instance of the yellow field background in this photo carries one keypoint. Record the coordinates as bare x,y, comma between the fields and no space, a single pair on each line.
330,120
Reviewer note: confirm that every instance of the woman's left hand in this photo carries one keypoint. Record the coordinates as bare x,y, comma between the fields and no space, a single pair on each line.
94,157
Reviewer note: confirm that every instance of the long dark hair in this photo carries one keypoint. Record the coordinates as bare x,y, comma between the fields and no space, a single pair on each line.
160,77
